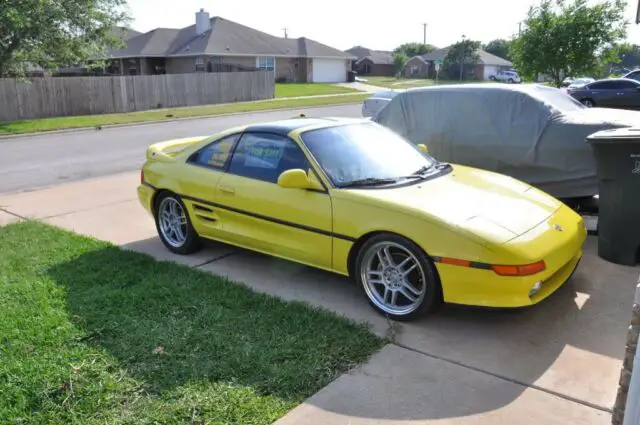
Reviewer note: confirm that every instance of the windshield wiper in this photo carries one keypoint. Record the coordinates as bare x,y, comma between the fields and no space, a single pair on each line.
422,172
370,181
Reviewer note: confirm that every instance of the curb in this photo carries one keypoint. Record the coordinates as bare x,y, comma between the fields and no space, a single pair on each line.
5,138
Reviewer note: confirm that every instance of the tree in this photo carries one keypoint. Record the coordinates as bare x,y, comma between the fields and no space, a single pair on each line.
399,60
499,47
414,49
56,33
461,55
563,39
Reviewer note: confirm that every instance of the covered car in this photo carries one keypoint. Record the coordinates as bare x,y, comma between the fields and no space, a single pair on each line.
534,133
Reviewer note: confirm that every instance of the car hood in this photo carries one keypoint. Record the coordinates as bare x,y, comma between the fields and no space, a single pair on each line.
493,207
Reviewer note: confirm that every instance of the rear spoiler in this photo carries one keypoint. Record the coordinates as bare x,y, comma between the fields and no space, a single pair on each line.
164,151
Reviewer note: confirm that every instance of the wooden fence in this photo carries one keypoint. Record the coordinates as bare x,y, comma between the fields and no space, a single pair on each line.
64,96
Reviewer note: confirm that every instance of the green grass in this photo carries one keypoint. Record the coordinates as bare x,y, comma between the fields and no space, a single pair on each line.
406,83
92,334
309,89
61,123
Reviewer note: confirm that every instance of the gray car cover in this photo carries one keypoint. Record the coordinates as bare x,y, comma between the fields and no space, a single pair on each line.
534,133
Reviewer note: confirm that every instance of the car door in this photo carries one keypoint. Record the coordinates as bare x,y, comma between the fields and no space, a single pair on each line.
603,93
257,213
627,95
199,181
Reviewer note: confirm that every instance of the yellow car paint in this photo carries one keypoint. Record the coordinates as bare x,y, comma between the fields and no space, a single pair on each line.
466,221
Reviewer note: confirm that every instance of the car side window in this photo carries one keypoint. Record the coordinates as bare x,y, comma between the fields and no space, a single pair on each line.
264,156
602,85
215,154
627,85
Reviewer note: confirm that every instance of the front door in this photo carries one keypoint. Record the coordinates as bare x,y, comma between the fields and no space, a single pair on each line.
257,213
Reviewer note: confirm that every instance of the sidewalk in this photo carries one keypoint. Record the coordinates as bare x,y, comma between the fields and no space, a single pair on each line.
558,363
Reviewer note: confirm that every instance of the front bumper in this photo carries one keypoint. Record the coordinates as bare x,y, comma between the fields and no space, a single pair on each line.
561,251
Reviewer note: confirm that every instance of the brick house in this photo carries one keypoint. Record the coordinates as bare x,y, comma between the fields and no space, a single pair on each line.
373,62
486,65
219,45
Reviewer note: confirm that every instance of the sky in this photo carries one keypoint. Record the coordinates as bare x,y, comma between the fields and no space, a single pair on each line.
343,23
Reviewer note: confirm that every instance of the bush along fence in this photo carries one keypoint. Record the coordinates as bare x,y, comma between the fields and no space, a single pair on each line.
626,410
68,96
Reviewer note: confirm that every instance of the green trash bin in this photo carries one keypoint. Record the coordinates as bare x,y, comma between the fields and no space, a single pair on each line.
617,154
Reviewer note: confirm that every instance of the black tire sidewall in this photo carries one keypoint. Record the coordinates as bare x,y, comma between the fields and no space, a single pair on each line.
433,297
193,241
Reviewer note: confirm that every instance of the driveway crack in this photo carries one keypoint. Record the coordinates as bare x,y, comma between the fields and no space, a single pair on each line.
218,258
505,378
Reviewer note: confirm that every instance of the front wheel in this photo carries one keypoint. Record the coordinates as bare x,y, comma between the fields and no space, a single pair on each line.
174,225
397,277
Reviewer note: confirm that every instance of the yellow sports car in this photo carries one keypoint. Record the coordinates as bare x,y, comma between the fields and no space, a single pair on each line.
354,198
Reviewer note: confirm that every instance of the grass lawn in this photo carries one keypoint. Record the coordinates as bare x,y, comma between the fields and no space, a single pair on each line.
92,334
406,83
309,89
61,123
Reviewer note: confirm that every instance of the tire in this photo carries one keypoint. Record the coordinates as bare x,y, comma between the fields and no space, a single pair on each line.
183,241
510,81
383,283
589,103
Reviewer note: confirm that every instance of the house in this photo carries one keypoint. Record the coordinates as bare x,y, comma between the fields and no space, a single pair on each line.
373,62
219,45
487,64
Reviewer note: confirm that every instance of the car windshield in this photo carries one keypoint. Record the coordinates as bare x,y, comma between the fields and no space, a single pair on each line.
365,152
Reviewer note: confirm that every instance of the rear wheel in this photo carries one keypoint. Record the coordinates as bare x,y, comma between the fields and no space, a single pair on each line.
174,225
589,103
397,277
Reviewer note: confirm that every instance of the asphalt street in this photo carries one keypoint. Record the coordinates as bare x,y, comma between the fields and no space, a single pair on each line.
38,161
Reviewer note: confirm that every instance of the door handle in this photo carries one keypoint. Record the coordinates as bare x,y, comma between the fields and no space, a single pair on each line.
227,190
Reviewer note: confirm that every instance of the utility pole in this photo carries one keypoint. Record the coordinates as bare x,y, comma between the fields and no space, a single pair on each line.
286,35
462,58
424,33
519,28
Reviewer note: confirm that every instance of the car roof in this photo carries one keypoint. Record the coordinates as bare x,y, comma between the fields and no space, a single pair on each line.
286,126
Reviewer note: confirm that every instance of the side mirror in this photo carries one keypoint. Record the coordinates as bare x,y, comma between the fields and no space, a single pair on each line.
423,148
297,178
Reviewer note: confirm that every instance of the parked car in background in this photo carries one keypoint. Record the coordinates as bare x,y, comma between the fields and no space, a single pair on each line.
620,93
633,75
373,105
510,77
534,133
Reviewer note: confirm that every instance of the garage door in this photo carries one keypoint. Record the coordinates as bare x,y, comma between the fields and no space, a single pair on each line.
490,70
329,70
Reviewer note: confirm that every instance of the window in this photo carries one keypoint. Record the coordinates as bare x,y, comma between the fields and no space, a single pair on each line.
215,154
199,64
360,151
266,62
606,85
633,75
627,85
265,156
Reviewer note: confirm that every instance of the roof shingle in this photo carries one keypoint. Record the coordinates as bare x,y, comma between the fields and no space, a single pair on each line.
224,37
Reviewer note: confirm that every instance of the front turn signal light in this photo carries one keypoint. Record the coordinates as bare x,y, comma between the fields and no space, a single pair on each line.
522,270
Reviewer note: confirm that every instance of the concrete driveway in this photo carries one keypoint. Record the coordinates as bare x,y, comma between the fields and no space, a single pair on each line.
556,363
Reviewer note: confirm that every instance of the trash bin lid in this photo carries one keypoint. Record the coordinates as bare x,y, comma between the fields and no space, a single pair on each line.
613,135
